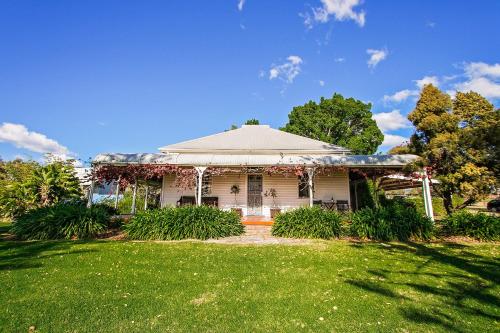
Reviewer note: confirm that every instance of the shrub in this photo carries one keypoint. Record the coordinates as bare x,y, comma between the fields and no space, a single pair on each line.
396,220
480,226
186,222
307,222
62,220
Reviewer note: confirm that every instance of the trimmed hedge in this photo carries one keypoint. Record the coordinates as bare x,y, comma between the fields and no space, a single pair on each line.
307,222
397,220
61,221
188,222
479,226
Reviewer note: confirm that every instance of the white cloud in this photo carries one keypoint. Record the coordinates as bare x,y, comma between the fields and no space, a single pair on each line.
286,71
376,56
481,69
341,10
430,24
481,85
391,140
427,80
241,3
403,95
400,96
390,121
321,83
339,59
481,78
21,137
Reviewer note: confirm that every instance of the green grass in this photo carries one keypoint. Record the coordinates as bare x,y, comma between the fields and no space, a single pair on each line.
65,286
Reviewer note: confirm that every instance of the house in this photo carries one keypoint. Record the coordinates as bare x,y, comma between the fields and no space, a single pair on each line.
260,161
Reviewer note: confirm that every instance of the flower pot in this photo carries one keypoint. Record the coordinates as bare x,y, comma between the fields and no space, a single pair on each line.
275,211
238,211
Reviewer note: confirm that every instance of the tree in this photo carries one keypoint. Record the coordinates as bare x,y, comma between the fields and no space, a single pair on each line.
28,185
252,121
344,122
399,150
53,183
457,140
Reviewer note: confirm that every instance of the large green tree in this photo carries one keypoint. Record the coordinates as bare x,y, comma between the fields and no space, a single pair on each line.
459,140
346,122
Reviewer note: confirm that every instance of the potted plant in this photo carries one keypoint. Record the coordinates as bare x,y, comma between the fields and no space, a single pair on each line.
275,210
235,189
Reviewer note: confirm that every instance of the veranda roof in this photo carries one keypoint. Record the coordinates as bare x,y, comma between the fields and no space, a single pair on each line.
255,139
257,160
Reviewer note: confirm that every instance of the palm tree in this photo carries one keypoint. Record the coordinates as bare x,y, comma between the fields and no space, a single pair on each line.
53,183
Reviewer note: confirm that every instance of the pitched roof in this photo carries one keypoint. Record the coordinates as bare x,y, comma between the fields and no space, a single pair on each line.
255,139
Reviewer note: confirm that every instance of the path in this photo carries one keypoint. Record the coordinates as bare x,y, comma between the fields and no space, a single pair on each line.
257,234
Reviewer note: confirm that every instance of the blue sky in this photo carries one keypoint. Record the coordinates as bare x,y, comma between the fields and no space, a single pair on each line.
82,77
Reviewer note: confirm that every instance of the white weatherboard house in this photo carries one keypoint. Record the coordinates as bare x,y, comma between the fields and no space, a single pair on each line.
253,149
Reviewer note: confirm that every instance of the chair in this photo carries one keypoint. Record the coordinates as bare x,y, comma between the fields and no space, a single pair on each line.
342,205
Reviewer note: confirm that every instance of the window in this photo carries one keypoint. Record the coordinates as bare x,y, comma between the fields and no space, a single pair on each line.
206,185
304,186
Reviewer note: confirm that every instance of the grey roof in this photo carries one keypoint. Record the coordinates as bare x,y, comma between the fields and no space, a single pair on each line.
188,159
255,139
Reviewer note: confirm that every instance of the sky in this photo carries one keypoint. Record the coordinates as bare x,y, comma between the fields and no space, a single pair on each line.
78,78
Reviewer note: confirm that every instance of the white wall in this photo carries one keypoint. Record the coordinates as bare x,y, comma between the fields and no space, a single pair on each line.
326,187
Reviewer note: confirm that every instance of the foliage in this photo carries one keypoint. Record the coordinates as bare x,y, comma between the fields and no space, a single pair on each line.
28,185
344,122
252,121
187,222
437,204
307,222
235,189
61,220
480,226
54,182
273,194
459,141
394,220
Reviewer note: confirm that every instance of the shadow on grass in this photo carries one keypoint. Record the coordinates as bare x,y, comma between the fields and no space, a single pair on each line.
23,255
468,288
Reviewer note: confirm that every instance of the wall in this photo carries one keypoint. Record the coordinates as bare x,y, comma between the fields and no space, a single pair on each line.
334,186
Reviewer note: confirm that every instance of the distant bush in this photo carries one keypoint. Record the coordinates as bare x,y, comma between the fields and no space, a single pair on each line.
188,222
307,222
395,220
61,220
479,226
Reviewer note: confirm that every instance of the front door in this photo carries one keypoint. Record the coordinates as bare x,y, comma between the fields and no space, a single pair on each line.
254,201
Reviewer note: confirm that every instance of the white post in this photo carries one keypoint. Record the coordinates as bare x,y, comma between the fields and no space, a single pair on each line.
91,193
200,171
146,198
117,191
134,197
426,191
310,175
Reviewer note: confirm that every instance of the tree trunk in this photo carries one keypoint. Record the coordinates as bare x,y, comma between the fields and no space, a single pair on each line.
465,204
447,202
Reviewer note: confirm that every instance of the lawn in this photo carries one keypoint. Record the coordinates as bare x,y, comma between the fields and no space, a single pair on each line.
120,286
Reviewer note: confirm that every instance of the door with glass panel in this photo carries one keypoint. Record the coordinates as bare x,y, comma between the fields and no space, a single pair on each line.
254,201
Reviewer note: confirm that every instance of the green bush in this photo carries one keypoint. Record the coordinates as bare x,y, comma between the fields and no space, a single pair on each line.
307,222
188,222
396,220
62,220
480,226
